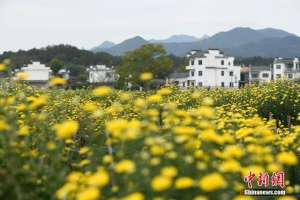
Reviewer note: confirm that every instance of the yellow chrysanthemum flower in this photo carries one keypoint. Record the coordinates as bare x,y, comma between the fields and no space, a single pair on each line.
287,158
88,194
161,183
102,91
147,76
67,129
57,81
125,166
184,183
212,182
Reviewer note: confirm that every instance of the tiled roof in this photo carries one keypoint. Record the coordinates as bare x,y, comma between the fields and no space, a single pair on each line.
179,75
260,68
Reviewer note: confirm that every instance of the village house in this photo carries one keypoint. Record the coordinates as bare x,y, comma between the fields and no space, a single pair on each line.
179,79
63,73
260,74
287,68
38,74
212,69
101,74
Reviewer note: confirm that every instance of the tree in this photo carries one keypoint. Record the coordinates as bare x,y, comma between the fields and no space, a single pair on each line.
67,54
179,63
78,75
56,65
148,58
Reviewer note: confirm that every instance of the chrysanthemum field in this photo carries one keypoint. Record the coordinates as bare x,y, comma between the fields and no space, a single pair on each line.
167,144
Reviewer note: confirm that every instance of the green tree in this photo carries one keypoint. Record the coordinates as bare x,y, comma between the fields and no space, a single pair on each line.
56,65
78,75
148,58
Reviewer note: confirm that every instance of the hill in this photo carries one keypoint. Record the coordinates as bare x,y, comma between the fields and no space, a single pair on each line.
240,41
69,55
177,39
270,47
126,46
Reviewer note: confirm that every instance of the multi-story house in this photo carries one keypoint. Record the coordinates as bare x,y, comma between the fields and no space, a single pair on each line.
260,74
255,75
179,79
101,74
212,69
287,68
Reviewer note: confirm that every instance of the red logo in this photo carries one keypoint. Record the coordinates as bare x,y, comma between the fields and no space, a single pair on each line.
263,180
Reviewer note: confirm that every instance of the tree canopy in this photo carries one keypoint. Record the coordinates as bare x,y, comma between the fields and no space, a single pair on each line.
148,58
56,65
67,54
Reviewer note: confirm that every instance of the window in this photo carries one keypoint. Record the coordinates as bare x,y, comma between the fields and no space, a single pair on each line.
192,73
222,73
222,62
193,83
183,84
200,84
229,63
192,62
278,75
199,73
200,62
231,84
254,74
290,75
231,73
265,75
222,84
290,66
278,66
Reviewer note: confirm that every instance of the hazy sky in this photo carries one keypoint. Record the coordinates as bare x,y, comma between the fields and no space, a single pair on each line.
26,24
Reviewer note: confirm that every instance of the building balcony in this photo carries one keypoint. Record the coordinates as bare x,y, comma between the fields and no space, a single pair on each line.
291,71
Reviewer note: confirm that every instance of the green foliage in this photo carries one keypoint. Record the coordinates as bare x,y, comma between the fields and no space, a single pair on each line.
78,75
68,55
179,63
56,65
181,129
148,58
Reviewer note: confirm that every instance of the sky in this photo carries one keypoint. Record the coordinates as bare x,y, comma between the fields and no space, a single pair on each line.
26,24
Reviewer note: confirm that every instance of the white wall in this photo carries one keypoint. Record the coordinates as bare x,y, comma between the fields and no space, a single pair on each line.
283,67
37,72
182,82
211,70
265,79
100,74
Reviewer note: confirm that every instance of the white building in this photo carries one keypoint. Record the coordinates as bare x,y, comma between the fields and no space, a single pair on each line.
63,73
287,68
179,79
101,74
212,69
260,74
37,72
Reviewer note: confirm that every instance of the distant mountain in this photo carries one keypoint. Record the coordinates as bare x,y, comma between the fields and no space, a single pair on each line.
204,37
270,47
127,45
272,32
105,45
177,39
234,37
241,41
